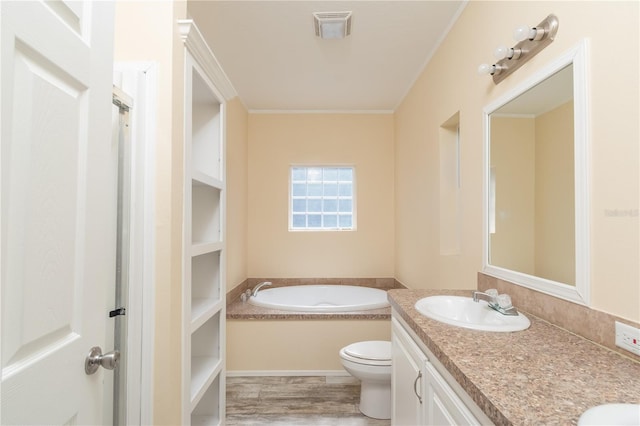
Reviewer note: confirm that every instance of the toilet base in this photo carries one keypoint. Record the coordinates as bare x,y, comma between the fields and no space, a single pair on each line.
375,399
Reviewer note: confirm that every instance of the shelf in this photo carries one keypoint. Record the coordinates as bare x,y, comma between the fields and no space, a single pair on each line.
203,371
203,304
202,310
205,283
205,213
198,248
206,356
207,410
206,133
201,178
205,420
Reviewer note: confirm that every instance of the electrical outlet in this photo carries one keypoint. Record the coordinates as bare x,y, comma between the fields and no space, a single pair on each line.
628,338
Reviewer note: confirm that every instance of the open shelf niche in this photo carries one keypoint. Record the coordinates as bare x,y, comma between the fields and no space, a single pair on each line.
204,311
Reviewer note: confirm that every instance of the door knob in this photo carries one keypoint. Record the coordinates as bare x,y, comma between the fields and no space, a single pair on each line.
96,359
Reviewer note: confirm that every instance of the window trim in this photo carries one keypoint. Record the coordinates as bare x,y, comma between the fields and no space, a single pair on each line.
353,198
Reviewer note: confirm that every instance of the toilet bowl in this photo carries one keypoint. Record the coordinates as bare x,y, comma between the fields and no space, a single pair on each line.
370,362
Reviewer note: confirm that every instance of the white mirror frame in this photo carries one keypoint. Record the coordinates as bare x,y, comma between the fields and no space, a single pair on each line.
580,293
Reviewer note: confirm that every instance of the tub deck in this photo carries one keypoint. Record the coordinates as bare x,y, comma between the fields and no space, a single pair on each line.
246,311
304,343
236,309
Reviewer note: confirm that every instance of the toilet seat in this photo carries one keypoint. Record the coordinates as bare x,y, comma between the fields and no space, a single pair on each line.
375,352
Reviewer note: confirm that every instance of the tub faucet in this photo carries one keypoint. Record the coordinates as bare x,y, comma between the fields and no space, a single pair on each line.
497,302
255,290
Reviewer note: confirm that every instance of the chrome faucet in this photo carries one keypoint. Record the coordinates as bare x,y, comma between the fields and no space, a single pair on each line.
255,290
488,297
497,302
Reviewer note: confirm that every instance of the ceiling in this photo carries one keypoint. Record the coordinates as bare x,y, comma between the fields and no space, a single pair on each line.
273,58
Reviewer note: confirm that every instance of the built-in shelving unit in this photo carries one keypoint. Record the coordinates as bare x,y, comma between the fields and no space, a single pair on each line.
204,292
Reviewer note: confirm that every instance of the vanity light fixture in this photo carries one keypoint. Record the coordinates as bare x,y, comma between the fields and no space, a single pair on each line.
332,25
530,42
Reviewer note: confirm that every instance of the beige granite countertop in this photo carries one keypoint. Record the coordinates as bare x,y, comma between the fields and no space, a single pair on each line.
540,376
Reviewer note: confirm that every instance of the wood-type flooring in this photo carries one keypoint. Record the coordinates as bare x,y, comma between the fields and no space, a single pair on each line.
293,400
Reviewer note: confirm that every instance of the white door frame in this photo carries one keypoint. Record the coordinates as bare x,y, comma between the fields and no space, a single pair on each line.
138,80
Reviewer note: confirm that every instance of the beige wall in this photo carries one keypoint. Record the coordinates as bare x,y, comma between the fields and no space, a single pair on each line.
450,84
277,141
134,31
237,191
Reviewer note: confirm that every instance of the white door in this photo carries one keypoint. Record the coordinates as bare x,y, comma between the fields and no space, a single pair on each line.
57,210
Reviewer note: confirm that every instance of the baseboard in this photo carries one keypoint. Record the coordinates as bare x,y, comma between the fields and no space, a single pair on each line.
245,373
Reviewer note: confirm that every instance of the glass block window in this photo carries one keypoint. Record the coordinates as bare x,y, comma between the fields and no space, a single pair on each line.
322,198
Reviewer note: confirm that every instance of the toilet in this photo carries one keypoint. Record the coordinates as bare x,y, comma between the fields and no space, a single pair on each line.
370,362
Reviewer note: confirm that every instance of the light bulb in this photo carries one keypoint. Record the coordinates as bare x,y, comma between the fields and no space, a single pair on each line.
485,69
502,52
524,32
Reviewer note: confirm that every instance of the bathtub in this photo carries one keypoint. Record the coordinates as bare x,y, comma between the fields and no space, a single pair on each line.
321,298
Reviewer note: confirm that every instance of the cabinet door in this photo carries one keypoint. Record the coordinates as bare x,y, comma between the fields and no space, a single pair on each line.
444,407
407,379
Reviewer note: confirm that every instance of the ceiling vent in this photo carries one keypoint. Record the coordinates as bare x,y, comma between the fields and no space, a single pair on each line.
332,25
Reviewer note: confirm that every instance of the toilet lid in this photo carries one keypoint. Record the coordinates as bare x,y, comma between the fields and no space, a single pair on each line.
376,350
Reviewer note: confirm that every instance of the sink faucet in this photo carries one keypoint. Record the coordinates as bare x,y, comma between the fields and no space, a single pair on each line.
497,302
488,297
255,290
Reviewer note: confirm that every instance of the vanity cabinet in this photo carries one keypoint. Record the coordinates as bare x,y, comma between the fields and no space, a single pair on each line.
444,407
423,392
408,364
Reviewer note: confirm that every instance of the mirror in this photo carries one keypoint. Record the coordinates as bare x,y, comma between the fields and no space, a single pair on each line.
536,188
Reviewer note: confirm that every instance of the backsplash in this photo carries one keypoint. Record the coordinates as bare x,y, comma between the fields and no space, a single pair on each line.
597,326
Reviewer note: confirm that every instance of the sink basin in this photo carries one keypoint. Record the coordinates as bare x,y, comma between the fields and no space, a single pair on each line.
464,312
611,414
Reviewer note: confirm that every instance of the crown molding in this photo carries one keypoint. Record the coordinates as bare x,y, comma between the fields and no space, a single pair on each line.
199,49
